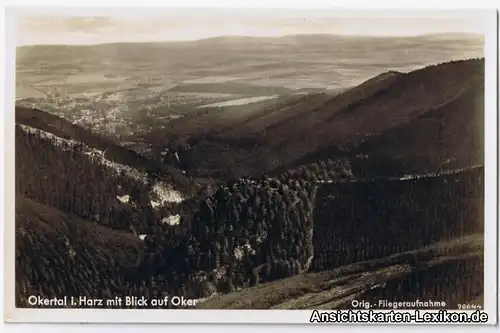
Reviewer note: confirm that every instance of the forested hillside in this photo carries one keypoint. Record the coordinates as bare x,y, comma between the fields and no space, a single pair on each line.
451,272
68,175
318,182
372,219
59,254
105,146
263,226
429,119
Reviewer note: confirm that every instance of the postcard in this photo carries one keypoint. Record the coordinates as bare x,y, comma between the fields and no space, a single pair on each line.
210,165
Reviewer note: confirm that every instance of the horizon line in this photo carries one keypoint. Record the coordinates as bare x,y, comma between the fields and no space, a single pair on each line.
168,41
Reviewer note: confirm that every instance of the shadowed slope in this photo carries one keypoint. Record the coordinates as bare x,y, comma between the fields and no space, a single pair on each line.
64,129
60,254
453,268
421,94
402,112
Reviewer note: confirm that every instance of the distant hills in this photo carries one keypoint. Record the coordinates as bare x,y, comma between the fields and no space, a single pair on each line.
301,38
235,55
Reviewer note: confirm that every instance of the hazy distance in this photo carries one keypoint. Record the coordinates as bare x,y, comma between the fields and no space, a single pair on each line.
99,26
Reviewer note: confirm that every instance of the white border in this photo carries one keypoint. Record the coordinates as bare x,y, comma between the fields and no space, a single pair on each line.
491,169
263,316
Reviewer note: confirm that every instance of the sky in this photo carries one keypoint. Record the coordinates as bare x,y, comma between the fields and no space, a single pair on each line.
92,26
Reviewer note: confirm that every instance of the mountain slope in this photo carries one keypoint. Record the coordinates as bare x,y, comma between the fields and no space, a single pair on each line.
451,134
401,112
75,187
77,178
420,274
308,119
423,92
60,254
364,220
110,150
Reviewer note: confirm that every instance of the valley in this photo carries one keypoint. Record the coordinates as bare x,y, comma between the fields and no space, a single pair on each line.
252,173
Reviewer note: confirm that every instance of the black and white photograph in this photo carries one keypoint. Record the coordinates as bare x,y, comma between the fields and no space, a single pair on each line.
255,159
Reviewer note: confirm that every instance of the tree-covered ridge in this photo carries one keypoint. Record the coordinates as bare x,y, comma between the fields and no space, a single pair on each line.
59,254
61,128
253,230
248,231
365,220
164,234
69,176
451,271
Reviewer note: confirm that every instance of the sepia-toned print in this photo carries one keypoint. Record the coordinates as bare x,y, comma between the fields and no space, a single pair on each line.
257,159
